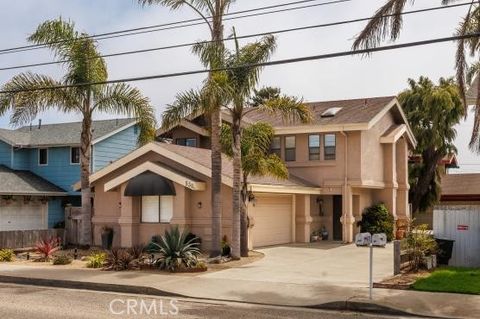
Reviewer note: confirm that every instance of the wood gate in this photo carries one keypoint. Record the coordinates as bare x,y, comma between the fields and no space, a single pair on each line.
462,224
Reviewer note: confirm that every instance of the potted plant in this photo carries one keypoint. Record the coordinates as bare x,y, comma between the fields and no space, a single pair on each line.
324,233
401,229
107,237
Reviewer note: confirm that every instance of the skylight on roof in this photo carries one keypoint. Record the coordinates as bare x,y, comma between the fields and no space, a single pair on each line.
331,112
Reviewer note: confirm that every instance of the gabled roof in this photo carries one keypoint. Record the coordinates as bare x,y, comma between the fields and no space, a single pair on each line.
356,111
15,182
350,115
199,160
61,134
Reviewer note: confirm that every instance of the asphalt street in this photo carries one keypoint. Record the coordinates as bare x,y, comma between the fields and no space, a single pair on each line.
17,301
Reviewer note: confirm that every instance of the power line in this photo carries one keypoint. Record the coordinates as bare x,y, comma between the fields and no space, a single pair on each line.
174,46
270,63
180,24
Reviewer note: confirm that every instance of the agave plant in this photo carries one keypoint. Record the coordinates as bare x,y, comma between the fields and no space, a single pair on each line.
176,251
46,248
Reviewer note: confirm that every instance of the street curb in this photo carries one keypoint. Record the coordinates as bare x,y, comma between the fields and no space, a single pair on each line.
354,306
366,307
137,290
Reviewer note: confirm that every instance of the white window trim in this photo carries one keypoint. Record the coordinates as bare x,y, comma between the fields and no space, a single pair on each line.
71,162
38,156
160,221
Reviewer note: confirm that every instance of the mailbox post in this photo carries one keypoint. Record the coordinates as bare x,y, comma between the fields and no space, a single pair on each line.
367,240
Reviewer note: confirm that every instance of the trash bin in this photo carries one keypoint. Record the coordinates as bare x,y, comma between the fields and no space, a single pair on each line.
445,248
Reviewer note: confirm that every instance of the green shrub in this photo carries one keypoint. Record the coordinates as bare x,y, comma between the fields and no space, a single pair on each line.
96,259
62,260
420,243
376,219
176,252
6,255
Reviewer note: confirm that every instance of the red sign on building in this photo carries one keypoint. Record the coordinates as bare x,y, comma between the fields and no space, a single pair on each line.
462,227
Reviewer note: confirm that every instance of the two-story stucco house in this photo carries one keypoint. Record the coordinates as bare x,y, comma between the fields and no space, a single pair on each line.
39,164
354,154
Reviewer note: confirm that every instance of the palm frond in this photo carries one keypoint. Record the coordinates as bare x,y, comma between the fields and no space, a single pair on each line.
27,102
291,108
124,99
386,23
186,103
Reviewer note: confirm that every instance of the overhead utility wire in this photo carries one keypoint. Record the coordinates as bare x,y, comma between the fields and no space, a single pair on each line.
174,46
177,24
264,64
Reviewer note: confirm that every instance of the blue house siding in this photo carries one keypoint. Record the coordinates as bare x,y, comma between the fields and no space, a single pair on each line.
21,159
59,171
55,212
114,147
5,154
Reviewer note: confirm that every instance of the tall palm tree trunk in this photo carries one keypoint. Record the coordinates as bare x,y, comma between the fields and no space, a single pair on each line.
216,148
237,189
85,153
244,219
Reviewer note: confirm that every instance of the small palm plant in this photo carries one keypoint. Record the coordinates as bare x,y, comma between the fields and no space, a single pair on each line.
46,248
176,251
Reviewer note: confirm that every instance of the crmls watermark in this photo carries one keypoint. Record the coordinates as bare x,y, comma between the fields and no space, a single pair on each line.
137,307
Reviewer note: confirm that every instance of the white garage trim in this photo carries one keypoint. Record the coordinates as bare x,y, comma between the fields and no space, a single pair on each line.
274,219
284,189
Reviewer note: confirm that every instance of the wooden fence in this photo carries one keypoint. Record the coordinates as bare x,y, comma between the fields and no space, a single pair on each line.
462,224
72,224
17,239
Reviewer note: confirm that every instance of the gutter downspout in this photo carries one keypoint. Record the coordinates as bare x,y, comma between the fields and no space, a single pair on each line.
344,218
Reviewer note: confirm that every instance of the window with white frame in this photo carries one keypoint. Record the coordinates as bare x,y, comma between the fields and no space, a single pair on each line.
314,147
330,147
75,155
43,156
276,147
157,209
290,149
190,142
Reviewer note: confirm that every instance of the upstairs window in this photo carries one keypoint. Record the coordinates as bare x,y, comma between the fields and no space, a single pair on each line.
43,156
276,147
75,155
330,147
290,148
157,209
190,142
314,147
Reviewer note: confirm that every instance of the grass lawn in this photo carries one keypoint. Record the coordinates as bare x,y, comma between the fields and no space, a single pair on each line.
451,279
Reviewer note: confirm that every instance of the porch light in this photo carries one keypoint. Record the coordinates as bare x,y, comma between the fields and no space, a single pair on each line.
199,205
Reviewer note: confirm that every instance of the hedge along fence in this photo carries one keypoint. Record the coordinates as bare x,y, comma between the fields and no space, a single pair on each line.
17,239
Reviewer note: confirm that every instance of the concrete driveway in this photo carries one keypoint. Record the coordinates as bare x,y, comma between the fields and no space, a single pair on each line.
313,264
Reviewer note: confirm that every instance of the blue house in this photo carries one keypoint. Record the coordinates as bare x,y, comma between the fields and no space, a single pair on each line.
39,164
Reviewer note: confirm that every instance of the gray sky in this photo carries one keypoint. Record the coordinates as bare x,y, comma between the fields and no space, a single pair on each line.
341,78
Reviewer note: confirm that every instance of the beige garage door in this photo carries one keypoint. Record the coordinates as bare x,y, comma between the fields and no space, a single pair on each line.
273,220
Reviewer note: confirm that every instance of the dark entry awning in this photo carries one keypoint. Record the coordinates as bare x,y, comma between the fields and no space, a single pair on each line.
149,184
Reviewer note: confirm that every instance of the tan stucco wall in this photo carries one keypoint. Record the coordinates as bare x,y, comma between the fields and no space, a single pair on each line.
128,229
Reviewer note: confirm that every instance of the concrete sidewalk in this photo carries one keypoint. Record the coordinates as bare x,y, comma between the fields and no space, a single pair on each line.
250,291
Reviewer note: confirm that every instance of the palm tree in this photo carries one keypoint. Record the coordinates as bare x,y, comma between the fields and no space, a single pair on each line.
83,65
236,86
216,9
256,160
387,22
